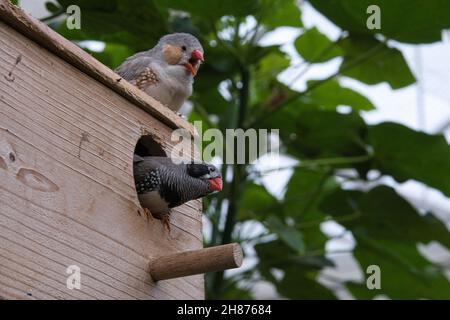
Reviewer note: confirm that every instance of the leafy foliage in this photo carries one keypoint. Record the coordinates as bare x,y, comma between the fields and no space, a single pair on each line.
384,64
291,250
135,23
397,153
331,95
412,21
388,230
314,46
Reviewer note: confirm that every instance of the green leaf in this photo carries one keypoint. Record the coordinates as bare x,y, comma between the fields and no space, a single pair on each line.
387,230
135,23
341,203
297,268
213,9
212,101
314,46
52,7
381,63
278,13
256,202
323,134
302,189
264,83
219,66
272,63
304,192
300,285
277,254
183,24
312,133
407,154
287,234
405,274
233,290
331,94
383,215
413,21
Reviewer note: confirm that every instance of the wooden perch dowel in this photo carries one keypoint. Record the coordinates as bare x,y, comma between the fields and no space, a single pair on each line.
189,263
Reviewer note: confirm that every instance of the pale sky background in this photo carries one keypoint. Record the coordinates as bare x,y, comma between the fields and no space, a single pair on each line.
422,106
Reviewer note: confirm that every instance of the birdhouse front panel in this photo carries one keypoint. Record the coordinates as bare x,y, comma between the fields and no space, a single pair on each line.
71,226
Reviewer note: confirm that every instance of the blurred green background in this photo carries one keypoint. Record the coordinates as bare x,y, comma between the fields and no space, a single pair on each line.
342,171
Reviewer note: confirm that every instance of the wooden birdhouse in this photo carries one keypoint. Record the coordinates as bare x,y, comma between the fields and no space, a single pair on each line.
71,225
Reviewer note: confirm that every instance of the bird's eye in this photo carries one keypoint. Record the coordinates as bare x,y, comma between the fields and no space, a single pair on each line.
212,169
183,48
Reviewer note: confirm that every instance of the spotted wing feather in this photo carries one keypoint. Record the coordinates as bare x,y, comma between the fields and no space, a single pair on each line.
136,69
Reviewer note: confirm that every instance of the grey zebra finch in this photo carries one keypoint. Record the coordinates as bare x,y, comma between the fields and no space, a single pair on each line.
162,184
166,72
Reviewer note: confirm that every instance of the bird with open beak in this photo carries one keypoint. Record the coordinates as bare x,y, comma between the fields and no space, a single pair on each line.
166,72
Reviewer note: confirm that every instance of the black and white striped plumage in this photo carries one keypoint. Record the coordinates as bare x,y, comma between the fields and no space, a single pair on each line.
161,184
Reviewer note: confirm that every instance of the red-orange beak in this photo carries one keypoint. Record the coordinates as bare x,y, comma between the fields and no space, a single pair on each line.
197,55
215,184
194,61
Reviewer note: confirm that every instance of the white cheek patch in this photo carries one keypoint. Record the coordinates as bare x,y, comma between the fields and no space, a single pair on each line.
206,176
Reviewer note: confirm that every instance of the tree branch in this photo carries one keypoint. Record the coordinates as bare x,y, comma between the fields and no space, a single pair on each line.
239,175
53,16
307,164
309,64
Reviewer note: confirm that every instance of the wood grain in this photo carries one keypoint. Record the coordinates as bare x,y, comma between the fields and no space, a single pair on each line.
67,193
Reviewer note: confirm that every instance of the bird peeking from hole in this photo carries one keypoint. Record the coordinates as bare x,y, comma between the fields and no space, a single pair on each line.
162,184
166,72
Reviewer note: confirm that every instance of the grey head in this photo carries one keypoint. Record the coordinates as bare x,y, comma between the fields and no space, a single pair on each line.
181,49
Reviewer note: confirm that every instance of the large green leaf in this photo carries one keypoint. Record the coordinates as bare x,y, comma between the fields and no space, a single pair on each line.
300,285
220,65
277,254
256,202
212,9
308,132
413,21
331,94
277,13
136,23
327,134
304,192
407,154
387,230
314,46
264,84
404,273
52,7
391,219
300,270
213,101
372,62
272,64
288,234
